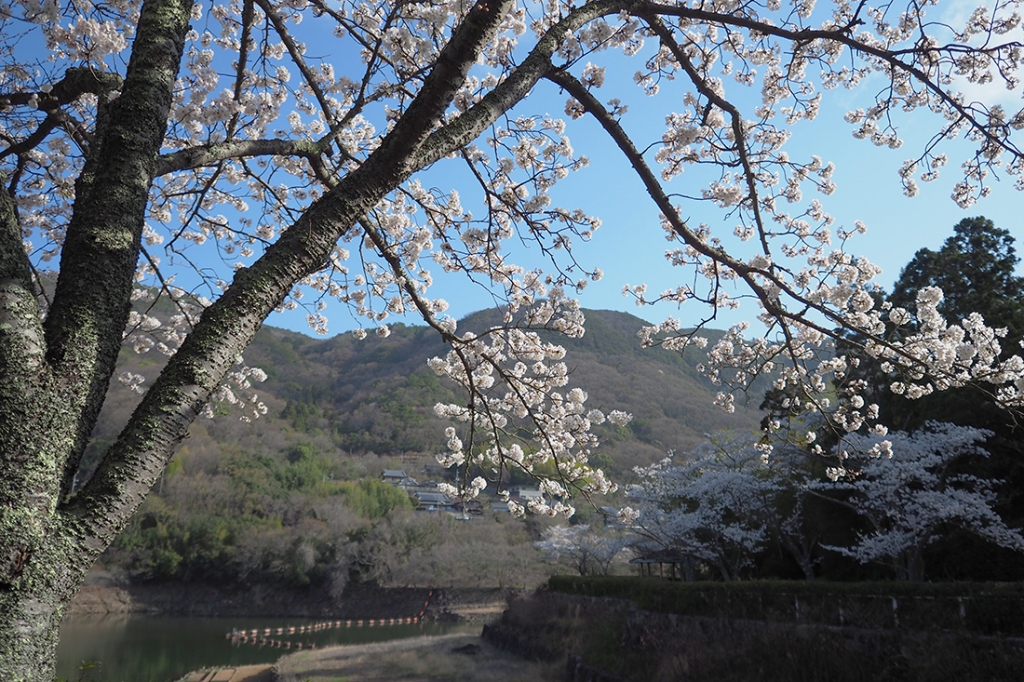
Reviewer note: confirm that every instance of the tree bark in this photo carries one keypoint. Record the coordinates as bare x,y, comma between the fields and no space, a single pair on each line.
55,369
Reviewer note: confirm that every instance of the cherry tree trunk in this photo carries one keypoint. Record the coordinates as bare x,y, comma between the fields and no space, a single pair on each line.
56,364
31,614
57,360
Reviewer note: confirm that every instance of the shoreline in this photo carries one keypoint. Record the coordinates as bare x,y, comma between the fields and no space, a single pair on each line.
359,601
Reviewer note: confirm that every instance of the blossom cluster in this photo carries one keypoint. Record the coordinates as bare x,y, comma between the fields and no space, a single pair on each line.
517,384
146,332
939,355
719,503
712,504
584,549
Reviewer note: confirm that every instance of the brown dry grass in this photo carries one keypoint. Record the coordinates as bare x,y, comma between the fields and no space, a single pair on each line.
426,659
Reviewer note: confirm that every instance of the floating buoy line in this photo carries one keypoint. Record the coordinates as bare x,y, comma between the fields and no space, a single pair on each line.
263,636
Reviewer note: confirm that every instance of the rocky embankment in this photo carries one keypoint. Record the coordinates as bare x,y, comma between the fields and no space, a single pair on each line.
104,594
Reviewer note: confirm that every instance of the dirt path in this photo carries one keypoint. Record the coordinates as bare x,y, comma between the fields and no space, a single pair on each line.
476,612
447,658
248,673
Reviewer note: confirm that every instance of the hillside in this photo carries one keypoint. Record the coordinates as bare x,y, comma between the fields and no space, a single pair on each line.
375,396
294,499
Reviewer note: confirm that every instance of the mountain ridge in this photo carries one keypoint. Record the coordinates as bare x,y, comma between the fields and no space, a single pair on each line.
376,395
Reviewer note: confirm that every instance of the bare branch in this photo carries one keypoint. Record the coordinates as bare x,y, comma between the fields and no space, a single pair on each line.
208,155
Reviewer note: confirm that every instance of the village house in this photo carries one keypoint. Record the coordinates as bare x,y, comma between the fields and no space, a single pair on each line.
399,478
431,501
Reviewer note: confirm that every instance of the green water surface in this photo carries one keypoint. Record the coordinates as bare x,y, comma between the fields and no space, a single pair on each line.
136,648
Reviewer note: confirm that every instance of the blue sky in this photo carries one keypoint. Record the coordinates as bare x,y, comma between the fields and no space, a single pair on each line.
630,245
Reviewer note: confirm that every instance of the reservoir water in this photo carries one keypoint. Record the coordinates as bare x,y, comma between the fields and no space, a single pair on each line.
137,648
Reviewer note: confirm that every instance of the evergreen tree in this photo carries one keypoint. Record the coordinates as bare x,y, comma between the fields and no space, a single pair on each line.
975,268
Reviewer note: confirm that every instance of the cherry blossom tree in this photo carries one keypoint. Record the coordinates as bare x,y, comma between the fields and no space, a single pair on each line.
582,549
712,505
246,156
975,270
911,498
787,475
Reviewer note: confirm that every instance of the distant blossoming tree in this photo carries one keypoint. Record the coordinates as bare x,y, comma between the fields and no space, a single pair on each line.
581,548
912,498
236,156
713,504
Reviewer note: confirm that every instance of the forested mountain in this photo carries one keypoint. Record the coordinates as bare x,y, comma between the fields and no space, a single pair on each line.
376,396
294,497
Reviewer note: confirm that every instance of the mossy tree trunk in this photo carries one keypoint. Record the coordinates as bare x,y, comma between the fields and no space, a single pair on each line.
56,363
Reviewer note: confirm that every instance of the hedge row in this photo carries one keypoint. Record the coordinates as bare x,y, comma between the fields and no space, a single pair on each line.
983,608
